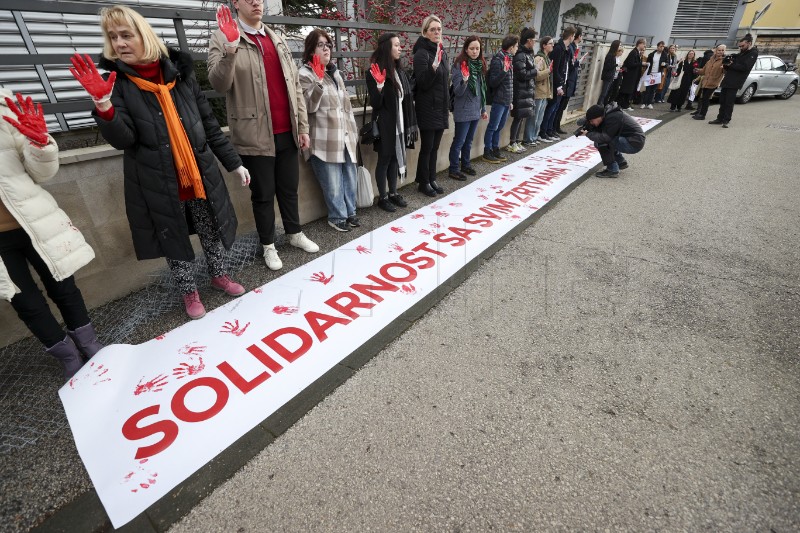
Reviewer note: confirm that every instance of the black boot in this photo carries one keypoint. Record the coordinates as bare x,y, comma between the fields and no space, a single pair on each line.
436,187
85,339
69,356
426,189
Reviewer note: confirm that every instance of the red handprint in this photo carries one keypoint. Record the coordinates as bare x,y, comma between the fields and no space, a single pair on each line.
394,247
435,206
156,384
442,214
408,289
417,216
226,24
425,231
30,119
160,337
320,277
258,290
397,229
464,70
186,369
141,477
378,74
363,249
515,217
505,179
480,189
285,309
496,187
483,197
192,350
86,73
317,67
91,370
455,204
434,225
234,328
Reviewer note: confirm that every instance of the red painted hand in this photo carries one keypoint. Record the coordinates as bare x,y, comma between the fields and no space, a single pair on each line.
316,66
507,63
86,73
226,24
30,119
377,73
464,70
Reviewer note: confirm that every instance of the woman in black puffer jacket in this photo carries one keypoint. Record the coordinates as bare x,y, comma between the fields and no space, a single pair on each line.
431,101
524,87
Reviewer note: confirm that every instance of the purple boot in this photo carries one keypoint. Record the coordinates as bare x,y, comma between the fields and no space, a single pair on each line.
86,340
68,355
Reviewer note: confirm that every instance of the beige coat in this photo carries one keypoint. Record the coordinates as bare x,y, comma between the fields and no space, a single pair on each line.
241,77
22,166
712,73
544,80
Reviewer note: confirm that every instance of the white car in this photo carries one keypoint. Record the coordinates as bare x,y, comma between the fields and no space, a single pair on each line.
770,76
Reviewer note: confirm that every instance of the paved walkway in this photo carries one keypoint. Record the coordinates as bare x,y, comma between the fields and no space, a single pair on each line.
628,362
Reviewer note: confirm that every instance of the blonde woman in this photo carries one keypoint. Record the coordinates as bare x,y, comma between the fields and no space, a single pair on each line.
158,115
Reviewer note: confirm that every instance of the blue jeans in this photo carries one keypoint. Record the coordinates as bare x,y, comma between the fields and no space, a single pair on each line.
462,144
535,122
622,146
338,183
550,115
497,120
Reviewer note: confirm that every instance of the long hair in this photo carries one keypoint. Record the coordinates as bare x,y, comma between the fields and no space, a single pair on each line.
612,51
311,43
544,41
383,57
694,55
154,48
464,57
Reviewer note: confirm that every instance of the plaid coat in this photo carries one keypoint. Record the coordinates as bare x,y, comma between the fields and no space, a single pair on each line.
330,116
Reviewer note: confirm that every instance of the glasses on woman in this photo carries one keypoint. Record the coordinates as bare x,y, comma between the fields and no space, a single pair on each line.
327,46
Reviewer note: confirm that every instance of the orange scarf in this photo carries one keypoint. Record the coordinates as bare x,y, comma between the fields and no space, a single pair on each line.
182,154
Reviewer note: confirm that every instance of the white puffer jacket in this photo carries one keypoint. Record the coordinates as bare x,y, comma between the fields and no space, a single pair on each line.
22,166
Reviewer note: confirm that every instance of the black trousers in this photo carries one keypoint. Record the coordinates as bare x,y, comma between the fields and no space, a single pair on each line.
560,113
624,100
727,99
17,252
516,124
386,174
275,176
429,141
705,97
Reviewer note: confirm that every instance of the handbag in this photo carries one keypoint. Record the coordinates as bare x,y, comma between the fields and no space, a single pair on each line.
365,194
369,133
693,91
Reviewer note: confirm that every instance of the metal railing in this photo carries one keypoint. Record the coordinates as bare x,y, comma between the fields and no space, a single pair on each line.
599,34
46,77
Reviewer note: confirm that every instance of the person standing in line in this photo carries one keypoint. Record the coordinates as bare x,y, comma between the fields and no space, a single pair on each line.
737,69
688,66
35,232
469,106
158,115
524,75
392,105
630,75
543,90
712,73
559,61
574,69
609,72
671,71
253,67
656,64
501,83
332,131
432,101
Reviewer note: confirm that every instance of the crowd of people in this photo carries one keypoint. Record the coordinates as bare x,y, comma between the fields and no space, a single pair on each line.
150,106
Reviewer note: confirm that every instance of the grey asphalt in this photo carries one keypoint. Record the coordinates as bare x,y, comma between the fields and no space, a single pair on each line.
627,363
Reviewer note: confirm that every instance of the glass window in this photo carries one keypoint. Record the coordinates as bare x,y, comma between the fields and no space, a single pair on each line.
763,64
778,65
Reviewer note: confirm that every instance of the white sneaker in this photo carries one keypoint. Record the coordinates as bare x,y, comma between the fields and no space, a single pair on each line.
299,240
511,148
650,106
629,108
643,106
546,139
271,257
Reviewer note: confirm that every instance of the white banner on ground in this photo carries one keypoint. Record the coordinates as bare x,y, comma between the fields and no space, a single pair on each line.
146,417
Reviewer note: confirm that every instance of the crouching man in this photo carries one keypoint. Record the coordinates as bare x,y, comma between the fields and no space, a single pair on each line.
614,133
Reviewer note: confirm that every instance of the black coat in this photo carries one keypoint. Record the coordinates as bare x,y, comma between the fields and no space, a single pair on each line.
662,62
524,83
385,109
736,72
574,65
679,96
432,87
500,81
560,58
158,226
616,123
633,72
609,67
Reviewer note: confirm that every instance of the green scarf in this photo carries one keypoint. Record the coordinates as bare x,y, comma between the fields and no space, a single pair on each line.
476,73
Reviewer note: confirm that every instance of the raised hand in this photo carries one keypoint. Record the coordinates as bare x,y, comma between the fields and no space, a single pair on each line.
378,74
86,73
30,119
507,63
464,70
227,25
316,66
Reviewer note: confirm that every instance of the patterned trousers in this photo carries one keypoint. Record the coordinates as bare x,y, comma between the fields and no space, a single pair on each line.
210,241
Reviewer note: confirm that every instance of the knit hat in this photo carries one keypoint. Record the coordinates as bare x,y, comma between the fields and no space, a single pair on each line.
596,111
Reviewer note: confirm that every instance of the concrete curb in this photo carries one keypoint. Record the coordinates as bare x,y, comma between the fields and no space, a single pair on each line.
86,513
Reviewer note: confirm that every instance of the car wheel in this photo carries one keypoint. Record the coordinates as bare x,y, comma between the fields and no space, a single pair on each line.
747,95
790,90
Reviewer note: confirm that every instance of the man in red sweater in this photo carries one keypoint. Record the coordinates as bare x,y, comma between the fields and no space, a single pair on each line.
253,66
